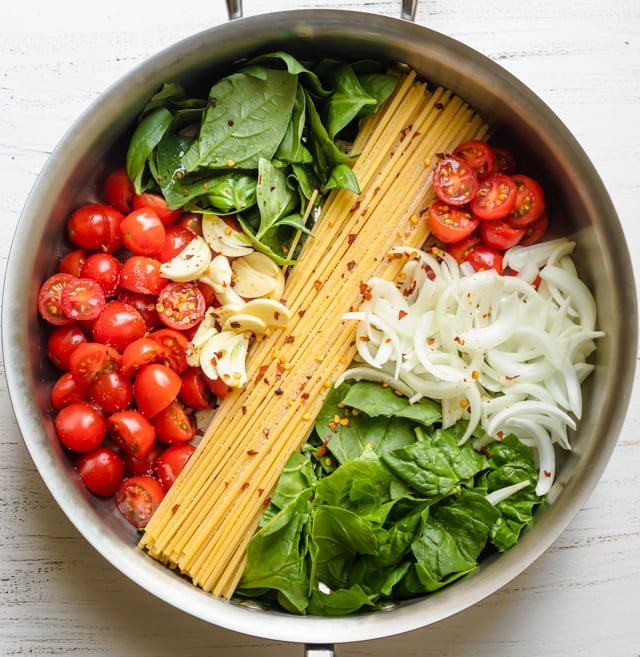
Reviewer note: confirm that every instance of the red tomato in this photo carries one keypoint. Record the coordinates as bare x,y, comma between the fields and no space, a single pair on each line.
191,221
73,261
461,249
503,161
143,232
176,238
181,306
172,462
173,424
145,304
132,432
217,386
103,268
450,223
194,392
118,190
101,470
454,180
535,231
500,235
137,498
66,391
143,465
142,274
482,257
118,325
111,391
496,197
156,203
49,298
90,359
208,293
62,341
478,154
175,345
82,299
95,227
80,427
154,388
139,353
530,203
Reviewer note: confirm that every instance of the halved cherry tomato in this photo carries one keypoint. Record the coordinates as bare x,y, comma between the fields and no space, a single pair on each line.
145,304
139,353
158,204
49,298
62,342
118,325
171,463
118,190
103,268
176,238
132,432
500,234
535,230
482,257
450,223
194,392
142,274
217,386
96,227
81,427
137,498
73,261
530,203
143,465
173,424
90,359
155,387
82,299
66,390
192,221
181,306
454,180
503,161
143,232
175,345
101,470
496,197
478,154
111,391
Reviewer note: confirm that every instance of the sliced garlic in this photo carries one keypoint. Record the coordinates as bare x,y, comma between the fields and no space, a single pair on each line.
218,276
243,322
190,263
223,313
273,313
224,357
257,275
224,239
206,329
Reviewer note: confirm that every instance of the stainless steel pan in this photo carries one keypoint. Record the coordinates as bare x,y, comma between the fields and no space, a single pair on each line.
517,116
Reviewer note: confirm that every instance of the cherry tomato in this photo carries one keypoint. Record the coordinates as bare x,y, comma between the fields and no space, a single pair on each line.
143,232
66,390
49,299
155,387
450,223
111,391
217,386
500,235
176,238
103,268
73,261
101,470
503,161
139,353
158,204
192,221
142,274
194,392
82,299
145,304
181,305
118,325
173,424
482,257
175,345
454,180
143,465
478,154
118,190
534,231
80,427
496,197
132,432
96,227
62,341
530,203
172,462
137,498
90,359
460,250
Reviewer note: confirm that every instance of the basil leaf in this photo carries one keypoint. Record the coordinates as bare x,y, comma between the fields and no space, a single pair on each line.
310,79
379,86
342,176
292,148
274,196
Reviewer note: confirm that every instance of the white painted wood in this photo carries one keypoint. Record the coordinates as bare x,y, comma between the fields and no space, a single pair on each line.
58,597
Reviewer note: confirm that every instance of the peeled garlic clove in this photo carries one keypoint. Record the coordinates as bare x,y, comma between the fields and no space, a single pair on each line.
242,322
223,313
224,357
257,275
224,239
218,276
190,263
271,312
206,329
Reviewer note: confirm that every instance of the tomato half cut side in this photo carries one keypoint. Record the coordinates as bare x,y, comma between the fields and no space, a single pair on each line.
175,345
139,353
174,425
454,180
451,224
535,231
66,390
90,359
500,235
181,306
82,299
478,154
496,197
49,299
482,257
137,498
530,202
132,432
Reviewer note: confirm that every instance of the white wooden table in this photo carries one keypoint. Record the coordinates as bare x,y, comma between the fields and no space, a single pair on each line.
58,597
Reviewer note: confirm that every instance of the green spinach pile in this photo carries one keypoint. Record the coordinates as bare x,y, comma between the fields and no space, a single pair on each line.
268,135
382,505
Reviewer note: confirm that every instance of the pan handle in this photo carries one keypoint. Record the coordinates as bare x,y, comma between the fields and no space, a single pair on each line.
319,650
408,11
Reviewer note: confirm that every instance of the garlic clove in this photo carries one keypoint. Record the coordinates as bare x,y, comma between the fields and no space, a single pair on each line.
190,263
224,239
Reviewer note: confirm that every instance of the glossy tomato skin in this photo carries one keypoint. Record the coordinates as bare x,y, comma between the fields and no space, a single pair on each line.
217,386
80,426
482,257
535,230
145,304
181,306
194,391
95,227
530,201
118,325
132,432
90,359
172,462
177,237
142,232
62,342
143,465
454,180
50,298
101,470
174,425
137,498
66,391
104,268
73,261
450,223
139,353
111,391
175,345
478,154
500,234
142,274
118,190
155,387
503,161
158,204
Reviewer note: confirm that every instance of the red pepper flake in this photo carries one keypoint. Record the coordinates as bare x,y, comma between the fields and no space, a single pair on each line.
174,509
289,339
278,391
317,284
244,410
402,314
547,473
352,238
267,501
305,396
245,485
439,106
260,491
350,265
301,312
230,122
355,206
252,452
261,372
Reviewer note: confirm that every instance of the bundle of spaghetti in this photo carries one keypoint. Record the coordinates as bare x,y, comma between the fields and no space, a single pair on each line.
208,517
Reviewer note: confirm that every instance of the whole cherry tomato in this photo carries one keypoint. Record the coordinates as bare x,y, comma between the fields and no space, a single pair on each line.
101,470
81,427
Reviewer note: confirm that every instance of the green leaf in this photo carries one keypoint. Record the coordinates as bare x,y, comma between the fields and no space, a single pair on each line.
275,198
342,176
309,78
379,86
292,148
